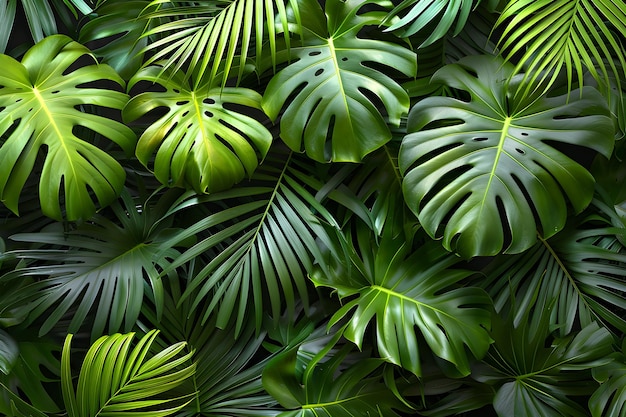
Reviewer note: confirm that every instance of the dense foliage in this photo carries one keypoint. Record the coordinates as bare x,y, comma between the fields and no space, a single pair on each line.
312,208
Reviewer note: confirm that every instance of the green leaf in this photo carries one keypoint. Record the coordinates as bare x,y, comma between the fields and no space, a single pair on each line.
43,101
329,389
445,13
256,242
404,289
211,39
537,377
201,142
335,79
572,279
117,381
34,374
491,173
610,398
117,31
575,35
102,267
9,352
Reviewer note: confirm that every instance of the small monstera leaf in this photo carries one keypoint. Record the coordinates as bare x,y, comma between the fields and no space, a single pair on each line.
43,102
404,289
488,174
201,141
335,387
334,82
536,375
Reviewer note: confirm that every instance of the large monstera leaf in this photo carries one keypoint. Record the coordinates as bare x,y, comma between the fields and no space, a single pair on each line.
201,141
43,102
334,82
403,290
488,174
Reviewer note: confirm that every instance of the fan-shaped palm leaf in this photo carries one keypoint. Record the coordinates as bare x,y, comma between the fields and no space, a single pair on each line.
200,142
572,34
117,381
258,240
41,100
100,262
578,276
403,289
537,376
468,163
333,86
208,38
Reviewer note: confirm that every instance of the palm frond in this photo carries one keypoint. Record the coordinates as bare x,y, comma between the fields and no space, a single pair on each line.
577,276
257,240
115,380
101,265
207,39
571,35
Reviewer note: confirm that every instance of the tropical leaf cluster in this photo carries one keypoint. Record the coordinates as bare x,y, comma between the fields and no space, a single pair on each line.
333,208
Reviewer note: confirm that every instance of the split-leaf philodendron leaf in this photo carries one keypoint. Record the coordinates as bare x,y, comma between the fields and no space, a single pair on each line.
333,83
489,173
201,141
43,102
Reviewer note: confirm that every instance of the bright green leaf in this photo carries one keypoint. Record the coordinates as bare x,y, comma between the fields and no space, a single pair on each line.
44,108
489,173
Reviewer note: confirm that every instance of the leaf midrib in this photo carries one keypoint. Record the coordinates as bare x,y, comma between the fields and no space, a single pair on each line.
51,121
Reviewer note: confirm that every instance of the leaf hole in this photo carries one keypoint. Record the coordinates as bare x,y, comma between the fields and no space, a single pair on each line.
480,139
319,72
504,223
208,114
55,92
524,134
520,151
314,53
443,182
444,222
176,90
530,202
432,154
182,103
208,101
344,59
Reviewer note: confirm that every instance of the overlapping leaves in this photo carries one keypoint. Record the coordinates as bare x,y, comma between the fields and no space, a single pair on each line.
200,142
578,276
256,242
101,268
332,88
536,375
209,39
43,101
403,288
574,35
489,173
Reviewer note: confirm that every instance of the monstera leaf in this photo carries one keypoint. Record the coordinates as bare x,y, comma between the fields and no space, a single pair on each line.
334,82
404,289
535,375
577,275
488,174
43,101
329,388
201,141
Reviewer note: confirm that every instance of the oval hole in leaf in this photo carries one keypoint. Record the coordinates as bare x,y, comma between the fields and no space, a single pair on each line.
208,101
314,53
481,139
319,72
